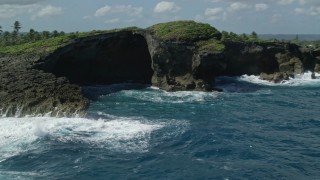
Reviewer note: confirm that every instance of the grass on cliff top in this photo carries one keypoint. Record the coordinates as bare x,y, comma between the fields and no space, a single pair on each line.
40,47
46,46
212,45
184,31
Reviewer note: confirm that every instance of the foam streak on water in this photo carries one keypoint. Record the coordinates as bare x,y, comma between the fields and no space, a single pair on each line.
19,135
171,97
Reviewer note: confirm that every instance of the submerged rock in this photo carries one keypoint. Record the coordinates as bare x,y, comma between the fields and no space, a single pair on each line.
275,77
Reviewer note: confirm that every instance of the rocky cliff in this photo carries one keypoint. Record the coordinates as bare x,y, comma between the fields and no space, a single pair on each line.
25,90
272,61
172,56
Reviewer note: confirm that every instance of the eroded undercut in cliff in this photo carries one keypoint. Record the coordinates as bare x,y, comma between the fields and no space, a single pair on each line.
115,58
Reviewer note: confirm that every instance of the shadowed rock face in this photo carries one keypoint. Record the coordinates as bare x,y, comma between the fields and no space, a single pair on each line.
28,91
273,61
180,66
108,59
136,57
53,83
245,58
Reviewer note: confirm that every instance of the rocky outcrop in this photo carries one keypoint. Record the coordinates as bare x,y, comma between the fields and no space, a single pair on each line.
137,57
251,58
102,59
52,84
180,66
273,61
25,90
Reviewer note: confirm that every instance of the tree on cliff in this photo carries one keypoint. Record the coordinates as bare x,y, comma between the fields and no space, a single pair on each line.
45,34
55,33
14,37
15,33
233,36
5,38
17,26
254,35
244,37
224,36
31,35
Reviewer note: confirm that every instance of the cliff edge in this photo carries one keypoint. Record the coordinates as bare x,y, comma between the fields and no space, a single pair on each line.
174,56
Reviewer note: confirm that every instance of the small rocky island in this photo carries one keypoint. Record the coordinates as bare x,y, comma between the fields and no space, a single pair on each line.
174,56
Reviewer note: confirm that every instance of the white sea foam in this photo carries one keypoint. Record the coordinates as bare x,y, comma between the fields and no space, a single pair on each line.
154,87
19,135
171,97
298,80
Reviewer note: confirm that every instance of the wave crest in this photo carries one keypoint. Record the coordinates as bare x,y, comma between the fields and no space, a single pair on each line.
298,80
19,135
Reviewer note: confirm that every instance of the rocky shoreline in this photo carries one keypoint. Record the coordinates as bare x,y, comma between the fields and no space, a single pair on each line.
25,90
52,84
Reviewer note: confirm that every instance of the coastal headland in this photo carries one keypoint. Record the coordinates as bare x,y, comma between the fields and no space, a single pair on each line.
48,76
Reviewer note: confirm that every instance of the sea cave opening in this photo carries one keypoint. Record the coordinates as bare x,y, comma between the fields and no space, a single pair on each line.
103,60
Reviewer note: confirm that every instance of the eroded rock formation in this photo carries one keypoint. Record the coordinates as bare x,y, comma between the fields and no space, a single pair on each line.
53,83
103,59
273,61
25,90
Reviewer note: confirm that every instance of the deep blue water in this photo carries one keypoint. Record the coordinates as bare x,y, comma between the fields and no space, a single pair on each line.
253,130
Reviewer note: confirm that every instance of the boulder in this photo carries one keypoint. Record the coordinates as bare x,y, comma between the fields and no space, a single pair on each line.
277,77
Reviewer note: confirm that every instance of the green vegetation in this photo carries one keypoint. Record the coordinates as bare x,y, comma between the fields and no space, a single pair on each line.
231,36
16,38
203,36
41,43
184,31
253,37
39,47
211,45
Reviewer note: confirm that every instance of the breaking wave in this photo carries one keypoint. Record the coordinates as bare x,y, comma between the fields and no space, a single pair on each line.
299,80
19,135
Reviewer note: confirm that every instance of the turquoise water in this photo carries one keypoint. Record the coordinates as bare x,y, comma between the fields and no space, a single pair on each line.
253,130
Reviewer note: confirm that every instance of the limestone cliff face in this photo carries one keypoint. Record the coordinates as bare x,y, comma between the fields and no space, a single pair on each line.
180,66
103,59
273,61
136,57
53,83
25,90
251,58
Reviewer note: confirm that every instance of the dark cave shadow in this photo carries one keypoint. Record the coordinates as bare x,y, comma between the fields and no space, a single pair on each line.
94,92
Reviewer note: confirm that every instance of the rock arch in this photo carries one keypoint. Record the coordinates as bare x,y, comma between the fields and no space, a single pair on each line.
104,59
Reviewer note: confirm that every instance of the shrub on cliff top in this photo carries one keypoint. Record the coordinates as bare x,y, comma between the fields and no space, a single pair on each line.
210,45
184,31
46,46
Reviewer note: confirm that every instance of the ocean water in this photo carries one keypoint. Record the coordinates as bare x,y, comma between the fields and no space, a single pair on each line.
252,130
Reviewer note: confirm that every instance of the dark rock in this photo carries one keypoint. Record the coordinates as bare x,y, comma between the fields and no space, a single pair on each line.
27,91
277,77
317,68
105,59
179,66
52,84
251,58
